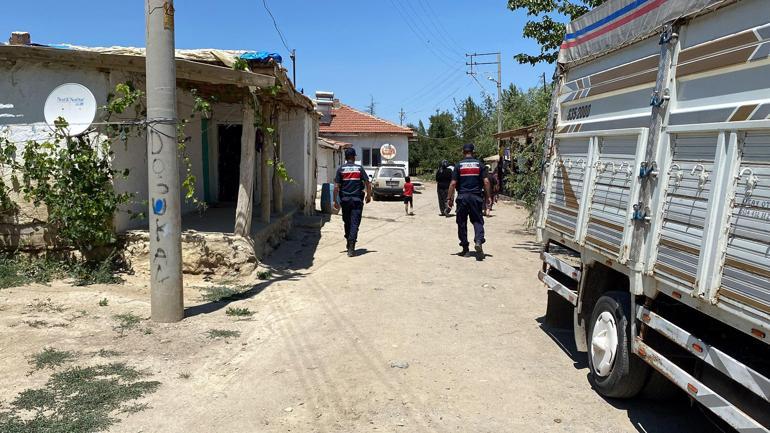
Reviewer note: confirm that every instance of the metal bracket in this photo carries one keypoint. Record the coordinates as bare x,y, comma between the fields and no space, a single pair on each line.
640,213
667,36
628,170
704,175
648,169
656,100
678,175
751,182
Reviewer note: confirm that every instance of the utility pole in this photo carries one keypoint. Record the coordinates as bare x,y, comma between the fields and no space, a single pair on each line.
294,67
499,80
166,302
545,83
499,94
402,116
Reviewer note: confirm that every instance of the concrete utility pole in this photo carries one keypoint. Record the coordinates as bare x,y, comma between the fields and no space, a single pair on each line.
163,170
499,94
401,116
499,80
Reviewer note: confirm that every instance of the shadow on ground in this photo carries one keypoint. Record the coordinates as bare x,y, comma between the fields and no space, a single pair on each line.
674,414
211,307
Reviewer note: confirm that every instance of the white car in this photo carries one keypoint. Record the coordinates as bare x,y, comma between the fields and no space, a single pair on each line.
388,181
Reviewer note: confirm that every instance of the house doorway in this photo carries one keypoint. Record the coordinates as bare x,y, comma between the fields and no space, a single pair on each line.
229,163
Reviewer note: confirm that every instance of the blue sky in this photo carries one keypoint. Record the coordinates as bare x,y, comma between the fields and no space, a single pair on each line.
404,53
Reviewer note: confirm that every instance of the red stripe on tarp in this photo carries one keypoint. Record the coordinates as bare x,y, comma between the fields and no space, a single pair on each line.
351,175
471,171
626,19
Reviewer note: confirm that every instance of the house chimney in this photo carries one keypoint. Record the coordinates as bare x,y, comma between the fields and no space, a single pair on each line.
20,38
325,101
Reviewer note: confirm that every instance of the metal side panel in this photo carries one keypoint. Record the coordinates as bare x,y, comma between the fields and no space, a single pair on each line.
698,391
567,185
746,269
726,364
685,209
612,190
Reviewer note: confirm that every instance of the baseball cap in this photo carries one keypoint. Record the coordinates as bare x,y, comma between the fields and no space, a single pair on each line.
468,147
350,152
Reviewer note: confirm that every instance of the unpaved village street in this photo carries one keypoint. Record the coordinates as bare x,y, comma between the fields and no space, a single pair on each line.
405,337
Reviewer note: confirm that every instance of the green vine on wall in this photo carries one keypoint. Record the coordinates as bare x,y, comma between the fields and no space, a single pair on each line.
74,177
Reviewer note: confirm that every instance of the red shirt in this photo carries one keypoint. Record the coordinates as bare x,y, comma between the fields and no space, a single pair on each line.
408,189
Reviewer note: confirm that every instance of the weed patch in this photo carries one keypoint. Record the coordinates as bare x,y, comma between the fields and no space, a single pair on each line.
218,293
78,400
185,375
51,358
238,312
223,333
126,322
264,275
104,353
46,306
18,270
104,302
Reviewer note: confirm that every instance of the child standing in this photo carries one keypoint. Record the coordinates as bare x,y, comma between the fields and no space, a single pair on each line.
408,193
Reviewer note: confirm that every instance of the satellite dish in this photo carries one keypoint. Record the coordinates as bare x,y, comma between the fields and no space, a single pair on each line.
388,151
75,103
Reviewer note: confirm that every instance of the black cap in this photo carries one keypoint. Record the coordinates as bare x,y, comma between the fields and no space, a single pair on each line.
468,147
445,163
350,152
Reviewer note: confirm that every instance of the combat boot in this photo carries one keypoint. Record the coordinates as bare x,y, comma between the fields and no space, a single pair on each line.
351,249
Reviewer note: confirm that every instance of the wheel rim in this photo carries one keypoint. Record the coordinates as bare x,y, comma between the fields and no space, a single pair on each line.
604,344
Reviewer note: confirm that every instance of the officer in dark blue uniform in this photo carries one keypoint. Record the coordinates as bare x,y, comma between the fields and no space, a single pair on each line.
472,185
349,186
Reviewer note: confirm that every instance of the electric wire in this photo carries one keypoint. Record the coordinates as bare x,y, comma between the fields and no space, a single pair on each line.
423,25
447,60
275,24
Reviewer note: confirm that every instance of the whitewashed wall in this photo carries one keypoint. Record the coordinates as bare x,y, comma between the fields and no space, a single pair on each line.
362,141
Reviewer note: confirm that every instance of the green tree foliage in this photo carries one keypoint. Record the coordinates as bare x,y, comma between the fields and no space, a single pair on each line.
547,24
475,122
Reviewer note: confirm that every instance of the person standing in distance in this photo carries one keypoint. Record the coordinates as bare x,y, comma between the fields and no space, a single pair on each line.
349,185
472,185
443,179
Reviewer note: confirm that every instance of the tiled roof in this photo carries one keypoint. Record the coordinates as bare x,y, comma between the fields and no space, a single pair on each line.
346,119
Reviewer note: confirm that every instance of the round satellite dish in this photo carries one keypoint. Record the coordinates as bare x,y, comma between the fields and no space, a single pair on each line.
73,102
388,151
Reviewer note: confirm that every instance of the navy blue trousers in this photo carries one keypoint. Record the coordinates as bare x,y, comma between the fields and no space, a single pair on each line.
470,206
352,210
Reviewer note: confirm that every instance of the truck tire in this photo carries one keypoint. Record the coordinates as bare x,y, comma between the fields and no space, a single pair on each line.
614,371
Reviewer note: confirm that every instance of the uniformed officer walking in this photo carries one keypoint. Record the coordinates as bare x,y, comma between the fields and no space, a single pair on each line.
472,185
349,185
443,179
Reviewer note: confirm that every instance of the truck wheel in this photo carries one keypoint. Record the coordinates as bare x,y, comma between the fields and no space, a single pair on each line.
614,371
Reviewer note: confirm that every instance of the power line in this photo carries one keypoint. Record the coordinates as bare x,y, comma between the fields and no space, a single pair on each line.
447,60
275,24
451,46
426,29
438,104
446,33
441,82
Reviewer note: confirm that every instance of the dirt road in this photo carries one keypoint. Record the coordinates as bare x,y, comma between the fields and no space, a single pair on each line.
405,337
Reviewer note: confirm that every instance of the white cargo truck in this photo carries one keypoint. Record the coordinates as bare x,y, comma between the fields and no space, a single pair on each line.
655,206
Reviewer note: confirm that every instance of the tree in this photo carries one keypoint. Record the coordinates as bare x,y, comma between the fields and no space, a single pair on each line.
545,25
372,105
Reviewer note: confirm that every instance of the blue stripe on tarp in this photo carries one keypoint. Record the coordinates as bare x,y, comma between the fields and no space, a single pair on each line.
622,11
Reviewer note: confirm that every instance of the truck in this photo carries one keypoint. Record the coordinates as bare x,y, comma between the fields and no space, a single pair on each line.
654,209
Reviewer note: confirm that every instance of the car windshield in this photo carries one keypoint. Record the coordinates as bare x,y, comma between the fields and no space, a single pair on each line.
390,172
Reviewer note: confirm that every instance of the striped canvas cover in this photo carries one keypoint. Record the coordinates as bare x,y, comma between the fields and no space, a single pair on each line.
617,23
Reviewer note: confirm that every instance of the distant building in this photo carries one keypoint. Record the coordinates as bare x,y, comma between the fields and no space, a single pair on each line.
365,133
